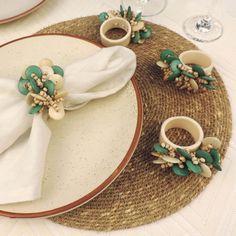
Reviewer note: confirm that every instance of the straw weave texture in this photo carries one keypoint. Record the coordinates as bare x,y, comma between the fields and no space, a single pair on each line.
144,193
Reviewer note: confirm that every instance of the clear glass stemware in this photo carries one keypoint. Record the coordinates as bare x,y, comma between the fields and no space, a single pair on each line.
204,28
147,7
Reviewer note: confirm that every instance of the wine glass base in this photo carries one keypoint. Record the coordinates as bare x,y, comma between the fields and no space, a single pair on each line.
202,34
147,7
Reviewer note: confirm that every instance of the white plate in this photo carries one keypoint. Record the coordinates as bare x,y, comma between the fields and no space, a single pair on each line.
91,146
12,9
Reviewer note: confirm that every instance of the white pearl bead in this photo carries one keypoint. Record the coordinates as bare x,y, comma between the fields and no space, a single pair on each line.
45,62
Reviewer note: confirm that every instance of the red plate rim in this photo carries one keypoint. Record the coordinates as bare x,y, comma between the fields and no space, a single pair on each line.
115,173
12,18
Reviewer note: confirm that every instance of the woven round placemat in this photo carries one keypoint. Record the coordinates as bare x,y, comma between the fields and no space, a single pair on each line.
144,193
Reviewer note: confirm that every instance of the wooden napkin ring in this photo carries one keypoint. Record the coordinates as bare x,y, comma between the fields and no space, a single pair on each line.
186,123
197,57
199,158
112,23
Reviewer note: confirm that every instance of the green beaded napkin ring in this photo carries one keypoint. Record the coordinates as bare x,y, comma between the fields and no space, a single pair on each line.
199,158
190,77
139,31
43,87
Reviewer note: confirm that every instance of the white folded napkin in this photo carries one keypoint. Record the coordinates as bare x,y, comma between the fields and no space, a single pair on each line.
22,157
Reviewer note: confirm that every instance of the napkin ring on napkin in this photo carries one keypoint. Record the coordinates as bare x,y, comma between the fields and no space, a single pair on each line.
191,71
198,158
50,91
43,87
139,31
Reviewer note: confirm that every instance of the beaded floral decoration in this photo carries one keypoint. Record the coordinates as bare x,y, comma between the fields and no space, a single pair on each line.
182,162
42,85
191,78
140,31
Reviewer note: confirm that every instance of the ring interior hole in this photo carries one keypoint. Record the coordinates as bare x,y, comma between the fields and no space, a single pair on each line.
116,30
180,137
201,59
188,127
115,33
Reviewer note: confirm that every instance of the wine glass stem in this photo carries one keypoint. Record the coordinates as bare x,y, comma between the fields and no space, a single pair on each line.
204,24
204,28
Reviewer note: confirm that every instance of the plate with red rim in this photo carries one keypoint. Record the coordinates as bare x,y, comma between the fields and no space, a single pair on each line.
91,146
12,10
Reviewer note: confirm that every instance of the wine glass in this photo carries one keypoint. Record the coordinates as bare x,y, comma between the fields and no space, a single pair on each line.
204,28
147,7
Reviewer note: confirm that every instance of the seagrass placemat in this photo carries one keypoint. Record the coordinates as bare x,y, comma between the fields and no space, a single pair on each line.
144,192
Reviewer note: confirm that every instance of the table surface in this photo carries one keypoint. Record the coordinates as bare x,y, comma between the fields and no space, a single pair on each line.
213,212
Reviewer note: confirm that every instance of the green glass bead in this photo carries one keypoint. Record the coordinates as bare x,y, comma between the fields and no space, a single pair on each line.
122,12
34,85
35,109
215,155
138,17
184,153
174,65
205,155
187,74
208,78
217,166
22,86
180,171
33,70
50,87
103,17
173,76
129,13
165,53
136,38
194,168
158,148
170,59
198,69
145,34
58,70
209,86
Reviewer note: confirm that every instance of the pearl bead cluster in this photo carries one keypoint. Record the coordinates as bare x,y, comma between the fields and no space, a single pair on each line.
172,153
43,86
47,101
186,82
183,161
186,77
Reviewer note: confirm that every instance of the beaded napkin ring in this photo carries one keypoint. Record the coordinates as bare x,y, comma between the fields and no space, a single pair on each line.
198,158
190,77
43,87
139,31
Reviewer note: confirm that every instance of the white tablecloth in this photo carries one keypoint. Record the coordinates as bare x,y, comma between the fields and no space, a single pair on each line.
213,212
